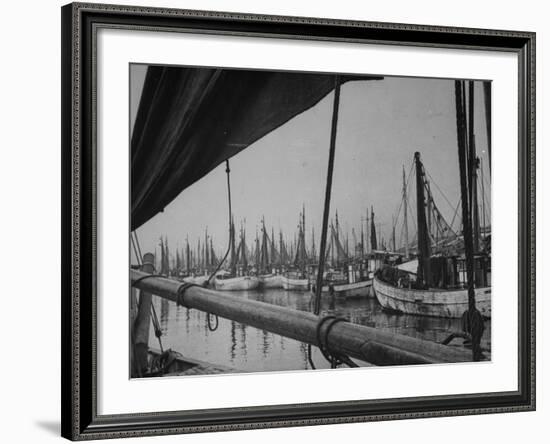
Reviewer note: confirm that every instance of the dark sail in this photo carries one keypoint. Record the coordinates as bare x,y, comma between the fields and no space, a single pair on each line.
373,242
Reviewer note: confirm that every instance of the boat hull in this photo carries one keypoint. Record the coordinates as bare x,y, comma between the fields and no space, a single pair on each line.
237,283
270,281
357,289
197,280
294,284
438,303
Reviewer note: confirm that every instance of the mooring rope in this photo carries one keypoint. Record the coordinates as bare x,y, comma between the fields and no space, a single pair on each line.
156,326
335,358
180,300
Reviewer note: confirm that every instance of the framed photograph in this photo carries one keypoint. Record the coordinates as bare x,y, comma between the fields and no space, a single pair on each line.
279,221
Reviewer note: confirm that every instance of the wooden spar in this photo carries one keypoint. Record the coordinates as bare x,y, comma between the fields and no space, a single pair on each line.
466,219
357,341
133,316
487,100
405,221
143,320
393,234
326,211
473,166
483,197
373,241
424,271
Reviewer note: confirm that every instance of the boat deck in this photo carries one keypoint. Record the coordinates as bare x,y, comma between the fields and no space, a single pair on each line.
185,366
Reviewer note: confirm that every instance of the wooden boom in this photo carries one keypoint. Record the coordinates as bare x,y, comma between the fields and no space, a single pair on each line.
356,341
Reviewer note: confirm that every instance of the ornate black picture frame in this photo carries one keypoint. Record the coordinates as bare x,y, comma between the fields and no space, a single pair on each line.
80,23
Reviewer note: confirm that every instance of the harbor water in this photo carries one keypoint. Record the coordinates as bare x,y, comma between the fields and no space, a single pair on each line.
248,349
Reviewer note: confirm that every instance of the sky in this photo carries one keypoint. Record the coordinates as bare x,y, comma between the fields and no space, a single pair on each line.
380,126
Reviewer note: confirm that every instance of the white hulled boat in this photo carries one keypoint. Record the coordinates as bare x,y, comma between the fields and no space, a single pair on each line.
293,280
442,303
438,284
270,280
225,281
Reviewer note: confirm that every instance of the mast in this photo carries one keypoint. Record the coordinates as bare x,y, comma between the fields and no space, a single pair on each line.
273,250
424,271
466,213
199,255
337,229
373,243
281,248
405,219
167,257
362,240
483,209
331,244
161,256
243,248
313,252
474,165
187,255
326,211
213,259
232,238
264,254
487,100
393,234
257,253
206,250
367,236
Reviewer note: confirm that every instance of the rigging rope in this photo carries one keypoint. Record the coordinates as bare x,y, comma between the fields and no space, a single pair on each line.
456,212
138,247
401,203
138,256
227,171
207,282
156,326
439,189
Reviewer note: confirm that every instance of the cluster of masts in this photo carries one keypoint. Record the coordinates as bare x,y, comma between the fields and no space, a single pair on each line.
268,252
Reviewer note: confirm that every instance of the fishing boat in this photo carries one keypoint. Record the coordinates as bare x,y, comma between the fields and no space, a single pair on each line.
239,278
443,303
349,275
272,280
438,287
295,280
266,260
358,285
225,281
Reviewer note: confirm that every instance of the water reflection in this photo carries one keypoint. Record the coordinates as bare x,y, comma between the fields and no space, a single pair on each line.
249,349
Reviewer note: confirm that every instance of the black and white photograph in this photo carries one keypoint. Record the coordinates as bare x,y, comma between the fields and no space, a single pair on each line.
297,221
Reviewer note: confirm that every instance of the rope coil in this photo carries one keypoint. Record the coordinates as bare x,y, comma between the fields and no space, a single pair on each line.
324,326
180,293
180,300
